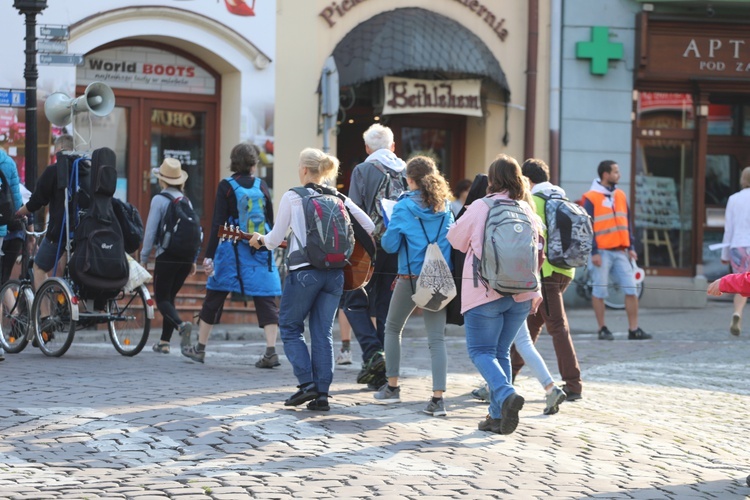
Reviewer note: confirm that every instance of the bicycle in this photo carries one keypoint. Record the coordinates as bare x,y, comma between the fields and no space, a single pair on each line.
615,296
15,307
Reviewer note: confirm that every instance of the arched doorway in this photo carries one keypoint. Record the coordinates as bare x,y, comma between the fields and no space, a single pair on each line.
166,106
435,51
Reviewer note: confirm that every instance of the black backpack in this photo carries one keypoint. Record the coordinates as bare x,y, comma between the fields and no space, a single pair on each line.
7,208
180,234
98,265
131,224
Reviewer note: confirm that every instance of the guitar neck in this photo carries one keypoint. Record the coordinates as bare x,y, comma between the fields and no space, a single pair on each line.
234,233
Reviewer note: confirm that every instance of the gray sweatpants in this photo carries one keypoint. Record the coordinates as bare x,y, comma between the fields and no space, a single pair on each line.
434,322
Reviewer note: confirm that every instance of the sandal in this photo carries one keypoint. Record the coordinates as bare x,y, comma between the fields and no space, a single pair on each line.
161,348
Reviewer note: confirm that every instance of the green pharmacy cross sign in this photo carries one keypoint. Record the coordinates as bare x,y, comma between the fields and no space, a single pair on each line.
600,50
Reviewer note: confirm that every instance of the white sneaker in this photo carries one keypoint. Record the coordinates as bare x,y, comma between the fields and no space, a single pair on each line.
344,357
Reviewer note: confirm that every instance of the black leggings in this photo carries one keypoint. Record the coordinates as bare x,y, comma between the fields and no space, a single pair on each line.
169,276
12,249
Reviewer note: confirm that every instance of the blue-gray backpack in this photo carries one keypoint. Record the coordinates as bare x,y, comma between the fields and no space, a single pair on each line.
510,257
328,228
570,232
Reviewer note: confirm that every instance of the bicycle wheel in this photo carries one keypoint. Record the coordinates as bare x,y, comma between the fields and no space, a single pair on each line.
616,297
129,325
52,313
15,316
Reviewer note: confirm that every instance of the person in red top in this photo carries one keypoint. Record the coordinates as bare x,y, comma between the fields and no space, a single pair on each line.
731,283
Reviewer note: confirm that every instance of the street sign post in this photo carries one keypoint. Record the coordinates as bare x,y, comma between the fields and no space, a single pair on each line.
12,98
52,46
61,59
52,31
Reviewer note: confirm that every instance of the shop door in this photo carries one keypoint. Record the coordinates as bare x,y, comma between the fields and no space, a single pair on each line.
181,130
144,131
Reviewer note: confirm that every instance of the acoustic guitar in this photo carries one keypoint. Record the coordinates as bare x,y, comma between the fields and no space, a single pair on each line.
357,272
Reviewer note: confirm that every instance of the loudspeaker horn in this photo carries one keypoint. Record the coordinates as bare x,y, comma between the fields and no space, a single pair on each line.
98,99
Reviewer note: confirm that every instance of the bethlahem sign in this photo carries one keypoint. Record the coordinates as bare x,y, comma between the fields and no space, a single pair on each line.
408,95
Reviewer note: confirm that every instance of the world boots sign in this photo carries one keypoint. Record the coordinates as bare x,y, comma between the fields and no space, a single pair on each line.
408,95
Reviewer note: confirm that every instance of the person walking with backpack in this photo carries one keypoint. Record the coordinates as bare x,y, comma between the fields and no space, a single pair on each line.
10,202
170,271
380,176
495,301
244,201
613,248
317,253
421,217
555,280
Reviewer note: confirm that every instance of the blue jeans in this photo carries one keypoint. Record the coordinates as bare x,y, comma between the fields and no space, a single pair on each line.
316,293
374,298
615,264
490,331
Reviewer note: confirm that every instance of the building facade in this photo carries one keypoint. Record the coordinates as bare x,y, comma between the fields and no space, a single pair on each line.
661,88
448,76
191,79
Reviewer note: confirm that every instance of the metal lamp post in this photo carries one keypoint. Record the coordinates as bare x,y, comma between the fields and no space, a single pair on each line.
30,8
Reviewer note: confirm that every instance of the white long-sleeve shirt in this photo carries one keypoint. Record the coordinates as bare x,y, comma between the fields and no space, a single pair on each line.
737,222
292,215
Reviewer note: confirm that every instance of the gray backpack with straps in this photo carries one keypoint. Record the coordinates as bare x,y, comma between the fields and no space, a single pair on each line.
510,257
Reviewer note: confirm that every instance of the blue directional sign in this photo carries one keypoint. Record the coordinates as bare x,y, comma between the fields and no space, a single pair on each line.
64,59
13,98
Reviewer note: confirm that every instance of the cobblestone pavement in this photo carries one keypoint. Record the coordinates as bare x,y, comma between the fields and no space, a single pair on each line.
665,418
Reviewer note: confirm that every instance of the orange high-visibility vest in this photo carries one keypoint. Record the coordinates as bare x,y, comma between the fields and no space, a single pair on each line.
610,222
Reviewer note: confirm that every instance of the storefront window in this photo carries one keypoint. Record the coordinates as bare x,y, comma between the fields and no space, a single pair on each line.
663,206
432,142
181,135
722,174
720,119
660,110
746,121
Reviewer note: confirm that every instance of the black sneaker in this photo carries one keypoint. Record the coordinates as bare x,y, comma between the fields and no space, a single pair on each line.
490,424
372,368
509,411
605,334
570,395
306,393
319,404
377,382
638,334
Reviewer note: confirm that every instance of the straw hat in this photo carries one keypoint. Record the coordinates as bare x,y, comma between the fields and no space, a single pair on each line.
171,172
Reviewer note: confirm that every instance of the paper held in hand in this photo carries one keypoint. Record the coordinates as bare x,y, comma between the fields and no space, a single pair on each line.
386,207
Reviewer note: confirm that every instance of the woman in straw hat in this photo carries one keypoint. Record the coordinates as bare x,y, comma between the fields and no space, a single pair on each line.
170,272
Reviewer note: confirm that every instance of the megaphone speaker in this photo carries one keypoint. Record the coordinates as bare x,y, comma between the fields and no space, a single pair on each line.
98,99
57,109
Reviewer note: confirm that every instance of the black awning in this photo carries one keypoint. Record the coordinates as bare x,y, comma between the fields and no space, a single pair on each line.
413,39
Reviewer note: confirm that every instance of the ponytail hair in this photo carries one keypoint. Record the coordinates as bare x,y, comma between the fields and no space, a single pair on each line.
322,166
431,183
505,175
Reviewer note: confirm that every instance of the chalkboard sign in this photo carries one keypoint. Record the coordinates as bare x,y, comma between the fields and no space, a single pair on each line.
656,204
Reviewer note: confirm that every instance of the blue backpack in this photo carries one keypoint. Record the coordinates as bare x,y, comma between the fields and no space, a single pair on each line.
251,207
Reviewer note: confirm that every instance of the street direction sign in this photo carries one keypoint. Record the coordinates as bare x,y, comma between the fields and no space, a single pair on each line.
51,31
62,59
13,98
51,46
